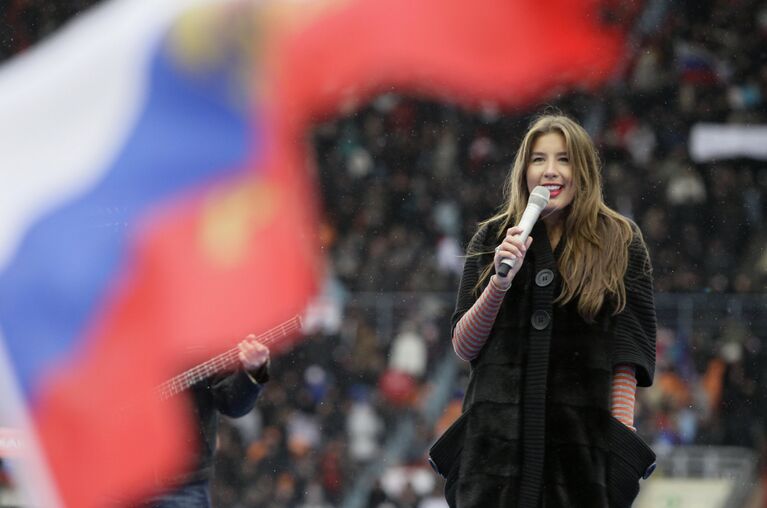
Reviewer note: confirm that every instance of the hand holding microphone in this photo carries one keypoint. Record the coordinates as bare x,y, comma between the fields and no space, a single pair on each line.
510,254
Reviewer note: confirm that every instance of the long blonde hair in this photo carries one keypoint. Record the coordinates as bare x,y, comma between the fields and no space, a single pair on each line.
595,255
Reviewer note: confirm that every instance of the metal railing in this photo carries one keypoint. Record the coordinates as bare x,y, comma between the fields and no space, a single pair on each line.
684,312
735,464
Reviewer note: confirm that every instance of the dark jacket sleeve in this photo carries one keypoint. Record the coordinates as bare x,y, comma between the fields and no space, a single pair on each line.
633,330
472,268
234,394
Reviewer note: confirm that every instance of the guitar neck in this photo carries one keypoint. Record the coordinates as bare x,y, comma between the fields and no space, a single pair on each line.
227,360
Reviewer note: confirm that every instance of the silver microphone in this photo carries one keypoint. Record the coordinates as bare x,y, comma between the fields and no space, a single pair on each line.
538,200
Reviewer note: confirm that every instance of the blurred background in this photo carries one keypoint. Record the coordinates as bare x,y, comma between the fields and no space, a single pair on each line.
350,413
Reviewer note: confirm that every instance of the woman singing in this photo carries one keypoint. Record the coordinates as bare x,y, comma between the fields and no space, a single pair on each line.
557,346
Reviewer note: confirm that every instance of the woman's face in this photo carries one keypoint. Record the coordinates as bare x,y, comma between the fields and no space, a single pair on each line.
550,166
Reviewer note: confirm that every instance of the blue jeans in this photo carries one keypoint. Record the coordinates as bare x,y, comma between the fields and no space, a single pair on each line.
192,495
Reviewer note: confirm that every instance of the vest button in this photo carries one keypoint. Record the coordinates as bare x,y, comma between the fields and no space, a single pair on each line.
544,277
540,319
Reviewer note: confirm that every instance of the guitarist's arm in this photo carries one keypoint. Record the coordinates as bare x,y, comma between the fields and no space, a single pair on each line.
235,394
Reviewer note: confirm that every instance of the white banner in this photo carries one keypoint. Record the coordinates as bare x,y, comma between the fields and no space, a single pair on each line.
721,141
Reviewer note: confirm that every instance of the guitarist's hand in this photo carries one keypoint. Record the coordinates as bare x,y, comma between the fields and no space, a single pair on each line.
255,358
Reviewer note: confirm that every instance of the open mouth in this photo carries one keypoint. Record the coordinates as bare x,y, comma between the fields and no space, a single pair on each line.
554,189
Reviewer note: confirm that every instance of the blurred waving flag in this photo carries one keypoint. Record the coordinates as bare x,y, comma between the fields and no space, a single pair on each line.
144,229
158,198
492,52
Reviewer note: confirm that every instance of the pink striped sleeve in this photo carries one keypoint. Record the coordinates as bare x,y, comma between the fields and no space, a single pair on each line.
623,394
473,328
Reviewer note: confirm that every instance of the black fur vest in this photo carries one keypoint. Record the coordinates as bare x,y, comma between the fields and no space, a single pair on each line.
537,429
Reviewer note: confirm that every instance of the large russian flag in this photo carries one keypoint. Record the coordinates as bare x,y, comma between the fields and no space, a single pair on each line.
144,229
155,211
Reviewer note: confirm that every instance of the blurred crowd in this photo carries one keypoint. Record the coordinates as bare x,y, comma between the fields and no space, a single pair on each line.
331,410
404,182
